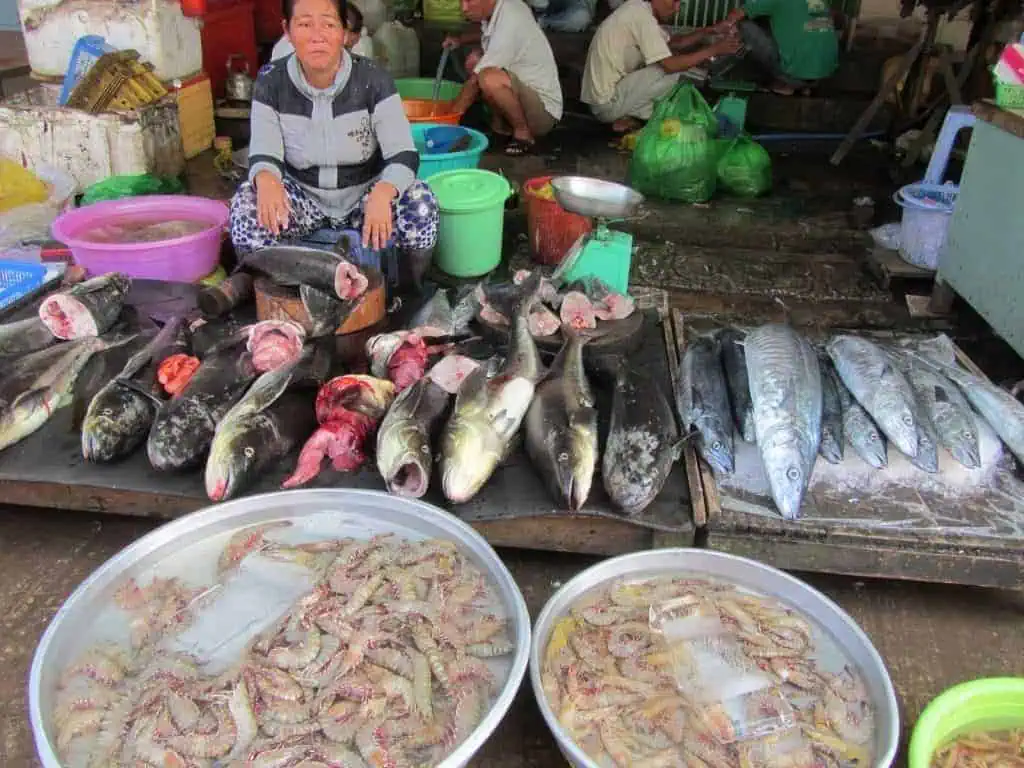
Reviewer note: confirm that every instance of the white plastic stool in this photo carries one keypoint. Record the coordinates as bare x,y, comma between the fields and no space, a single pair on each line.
957,118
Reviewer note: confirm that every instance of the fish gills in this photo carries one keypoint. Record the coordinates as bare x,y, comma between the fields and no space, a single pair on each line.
785,388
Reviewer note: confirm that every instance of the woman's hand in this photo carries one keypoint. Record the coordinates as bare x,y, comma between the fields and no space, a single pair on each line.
377,219
272,207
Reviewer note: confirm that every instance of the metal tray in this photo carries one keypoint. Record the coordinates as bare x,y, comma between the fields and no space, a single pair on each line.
360,514
744,573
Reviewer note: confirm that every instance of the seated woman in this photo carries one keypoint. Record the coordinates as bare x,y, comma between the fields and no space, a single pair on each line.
331,146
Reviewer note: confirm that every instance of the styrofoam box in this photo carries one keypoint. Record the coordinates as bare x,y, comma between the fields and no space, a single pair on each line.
90,148
157,29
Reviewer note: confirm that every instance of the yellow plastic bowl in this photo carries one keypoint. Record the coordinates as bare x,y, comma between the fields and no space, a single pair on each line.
989,704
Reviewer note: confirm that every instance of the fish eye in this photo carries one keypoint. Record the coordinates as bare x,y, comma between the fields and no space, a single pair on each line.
425,449
793,473
873,437
908,419
108,412
717,445
968,435
563,456
249,452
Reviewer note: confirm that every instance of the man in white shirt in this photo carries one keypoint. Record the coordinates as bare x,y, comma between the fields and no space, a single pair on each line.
632,62
514,71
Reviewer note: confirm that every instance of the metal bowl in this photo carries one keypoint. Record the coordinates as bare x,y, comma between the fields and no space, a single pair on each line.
744,573
360,513
596,197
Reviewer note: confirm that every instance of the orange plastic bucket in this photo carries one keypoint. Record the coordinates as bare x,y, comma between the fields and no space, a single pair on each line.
430,111
551,228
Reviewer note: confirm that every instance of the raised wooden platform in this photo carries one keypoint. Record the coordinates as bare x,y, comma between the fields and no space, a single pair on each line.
895,531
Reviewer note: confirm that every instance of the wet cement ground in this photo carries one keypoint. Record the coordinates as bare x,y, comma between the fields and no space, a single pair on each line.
931,636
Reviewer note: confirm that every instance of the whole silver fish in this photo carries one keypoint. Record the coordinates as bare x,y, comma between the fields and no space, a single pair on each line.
785,388
860,431
561,428
45,383
877,384
831,448
643,441
927,458
404,456
489,411
734,361
949,412
703,402
1003,411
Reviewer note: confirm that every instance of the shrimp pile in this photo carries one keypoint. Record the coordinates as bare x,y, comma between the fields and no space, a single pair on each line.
620,688
384,663
994,749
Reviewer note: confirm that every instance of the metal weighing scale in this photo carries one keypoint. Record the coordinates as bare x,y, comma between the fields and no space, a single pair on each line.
603,252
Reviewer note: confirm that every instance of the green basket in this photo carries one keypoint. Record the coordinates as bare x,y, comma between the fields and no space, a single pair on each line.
1009,96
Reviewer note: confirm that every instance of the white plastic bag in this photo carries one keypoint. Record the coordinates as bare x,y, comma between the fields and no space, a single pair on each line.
397,49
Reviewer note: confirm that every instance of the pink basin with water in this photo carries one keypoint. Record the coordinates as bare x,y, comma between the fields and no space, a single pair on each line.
184,259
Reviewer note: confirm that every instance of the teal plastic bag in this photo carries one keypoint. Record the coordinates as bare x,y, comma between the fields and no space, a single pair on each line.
745,168
676,156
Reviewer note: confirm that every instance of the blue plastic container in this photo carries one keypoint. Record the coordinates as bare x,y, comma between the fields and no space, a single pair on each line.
441,138
431,164
86,52
18,279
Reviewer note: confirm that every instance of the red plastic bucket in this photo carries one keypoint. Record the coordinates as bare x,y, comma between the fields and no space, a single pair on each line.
552,229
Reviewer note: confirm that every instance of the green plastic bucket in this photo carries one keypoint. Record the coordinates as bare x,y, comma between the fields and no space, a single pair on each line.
987,704
472,205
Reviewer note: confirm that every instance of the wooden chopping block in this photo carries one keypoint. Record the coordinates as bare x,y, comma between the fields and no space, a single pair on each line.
275,302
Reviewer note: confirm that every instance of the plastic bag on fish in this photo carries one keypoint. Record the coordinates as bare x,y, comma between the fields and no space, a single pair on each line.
737,701
887,236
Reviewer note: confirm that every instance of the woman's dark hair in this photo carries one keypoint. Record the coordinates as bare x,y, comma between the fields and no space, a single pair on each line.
344,13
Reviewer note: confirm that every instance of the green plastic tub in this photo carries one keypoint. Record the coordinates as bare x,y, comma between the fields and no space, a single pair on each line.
989,704
472,204
431,165
423,88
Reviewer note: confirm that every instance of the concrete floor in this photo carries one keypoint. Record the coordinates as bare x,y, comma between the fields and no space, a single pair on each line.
931,636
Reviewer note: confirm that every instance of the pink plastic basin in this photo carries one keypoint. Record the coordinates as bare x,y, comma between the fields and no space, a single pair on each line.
181,259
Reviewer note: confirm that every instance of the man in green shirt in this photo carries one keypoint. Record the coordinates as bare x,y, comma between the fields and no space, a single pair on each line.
802,47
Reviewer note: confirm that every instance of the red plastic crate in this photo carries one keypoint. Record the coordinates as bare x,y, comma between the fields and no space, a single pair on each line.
269,20
228,28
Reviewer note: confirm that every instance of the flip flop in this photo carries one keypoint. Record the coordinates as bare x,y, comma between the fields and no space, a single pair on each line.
518,148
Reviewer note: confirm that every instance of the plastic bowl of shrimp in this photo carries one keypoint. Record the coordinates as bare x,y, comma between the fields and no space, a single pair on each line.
321,627
691,657
977,723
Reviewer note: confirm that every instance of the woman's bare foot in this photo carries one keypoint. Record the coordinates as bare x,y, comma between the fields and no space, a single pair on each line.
626,124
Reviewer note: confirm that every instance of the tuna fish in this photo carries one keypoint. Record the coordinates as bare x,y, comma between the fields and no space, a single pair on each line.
86,309
264,426
295,266
404,455
43,382
121,414
643,441
860,431
831,448
703,402
489,411
734,361
576,312
561,428
878,385
785,389
185,426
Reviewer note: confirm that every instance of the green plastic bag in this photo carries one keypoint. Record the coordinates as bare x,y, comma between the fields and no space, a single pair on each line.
745,168
675,156
117,187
